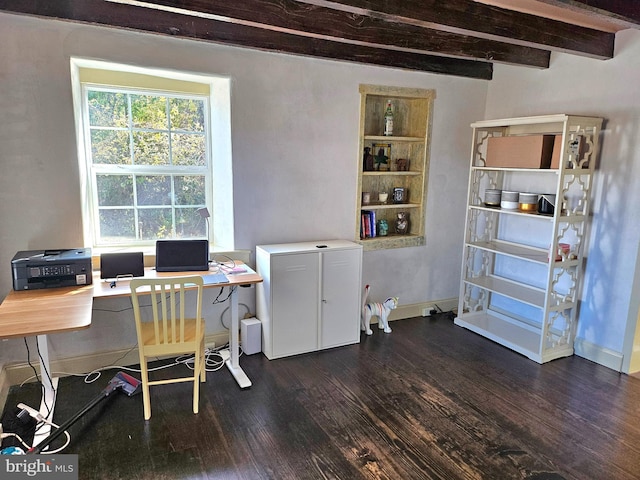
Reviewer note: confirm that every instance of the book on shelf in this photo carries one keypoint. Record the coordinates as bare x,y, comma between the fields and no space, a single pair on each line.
368,224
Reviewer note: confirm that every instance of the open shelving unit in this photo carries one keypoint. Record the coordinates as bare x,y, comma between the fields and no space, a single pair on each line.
412,127
518,287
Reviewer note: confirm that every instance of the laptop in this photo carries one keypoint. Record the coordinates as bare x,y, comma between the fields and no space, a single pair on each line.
214,279
182,255
126,264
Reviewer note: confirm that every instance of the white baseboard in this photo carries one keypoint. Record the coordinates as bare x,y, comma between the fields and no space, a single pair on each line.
415,309
600,355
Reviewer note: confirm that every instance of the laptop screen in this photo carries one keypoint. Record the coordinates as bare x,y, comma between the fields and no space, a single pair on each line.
127,264
182,255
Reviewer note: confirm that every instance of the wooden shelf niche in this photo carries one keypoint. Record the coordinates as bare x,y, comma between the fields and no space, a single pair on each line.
412,108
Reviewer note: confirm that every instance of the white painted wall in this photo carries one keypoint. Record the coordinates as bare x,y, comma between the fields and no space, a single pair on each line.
606,89
295,156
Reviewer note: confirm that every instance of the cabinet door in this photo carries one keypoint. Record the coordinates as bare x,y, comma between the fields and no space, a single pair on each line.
295,296
340,322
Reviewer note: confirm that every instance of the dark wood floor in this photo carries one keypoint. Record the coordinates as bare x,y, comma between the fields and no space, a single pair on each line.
428,401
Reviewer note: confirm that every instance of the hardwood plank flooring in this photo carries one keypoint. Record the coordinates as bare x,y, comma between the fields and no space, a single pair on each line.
428,401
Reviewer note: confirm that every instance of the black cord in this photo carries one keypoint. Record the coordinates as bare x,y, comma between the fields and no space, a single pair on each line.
228,262
110,310
218,300
46,371
35,372
38,380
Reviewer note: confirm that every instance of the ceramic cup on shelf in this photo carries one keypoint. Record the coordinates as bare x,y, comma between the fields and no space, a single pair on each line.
383,197
563,252
492,197
528,202
509,200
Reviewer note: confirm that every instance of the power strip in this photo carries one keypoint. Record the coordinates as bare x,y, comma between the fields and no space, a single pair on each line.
225,354
429,310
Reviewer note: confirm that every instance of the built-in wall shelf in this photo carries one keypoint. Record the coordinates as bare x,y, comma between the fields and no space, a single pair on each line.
404,165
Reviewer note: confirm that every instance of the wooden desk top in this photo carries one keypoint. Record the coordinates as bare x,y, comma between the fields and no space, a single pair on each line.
50,310
56,310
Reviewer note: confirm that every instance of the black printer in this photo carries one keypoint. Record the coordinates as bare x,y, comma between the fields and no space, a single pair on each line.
34,269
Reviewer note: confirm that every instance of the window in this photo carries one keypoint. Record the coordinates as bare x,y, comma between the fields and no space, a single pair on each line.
147,163
148,160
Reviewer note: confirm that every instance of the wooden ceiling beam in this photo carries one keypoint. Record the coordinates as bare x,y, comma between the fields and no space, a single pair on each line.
484,21
310,20
625,13
120,15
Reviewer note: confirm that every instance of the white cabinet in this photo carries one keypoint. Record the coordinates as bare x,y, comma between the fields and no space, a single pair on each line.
522,270
310,297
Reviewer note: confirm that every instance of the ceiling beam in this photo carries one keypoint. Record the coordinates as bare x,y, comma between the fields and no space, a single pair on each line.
625,13
467,17
310,20
139,18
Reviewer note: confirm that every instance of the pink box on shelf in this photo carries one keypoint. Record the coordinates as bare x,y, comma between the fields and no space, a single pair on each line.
555,155
523,151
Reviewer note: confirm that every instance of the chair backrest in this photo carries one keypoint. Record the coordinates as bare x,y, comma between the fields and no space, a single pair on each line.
168,304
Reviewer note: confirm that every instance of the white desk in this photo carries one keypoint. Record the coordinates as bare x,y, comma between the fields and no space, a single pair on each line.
57,310
40,312
103,289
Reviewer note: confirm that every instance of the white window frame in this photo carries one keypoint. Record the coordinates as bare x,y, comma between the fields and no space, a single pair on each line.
94,170
220,183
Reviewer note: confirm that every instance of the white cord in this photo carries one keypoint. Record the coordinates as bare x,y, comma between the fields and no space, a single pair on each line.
66,444
212,366
38,416
213,359
15,435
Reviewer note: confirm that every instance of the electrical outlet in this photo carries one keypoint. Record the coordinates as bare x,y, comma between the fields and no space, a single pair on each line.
426,311
210,345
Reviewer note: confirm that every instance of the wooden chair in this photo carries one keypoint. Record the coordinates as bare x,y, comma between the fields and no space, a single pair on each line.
169,332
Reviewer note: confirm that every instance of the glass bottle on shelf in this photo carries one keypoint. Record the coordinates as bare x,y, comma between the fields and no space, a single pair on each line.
388,119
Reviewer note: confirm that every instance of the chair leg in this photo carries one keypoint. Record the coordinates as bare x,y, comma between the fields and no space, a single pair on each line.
144,374
196,382
203,366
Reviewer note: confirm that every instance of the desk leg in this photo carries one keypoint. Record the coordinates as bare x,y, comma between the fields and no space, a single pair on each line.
50,384
233,363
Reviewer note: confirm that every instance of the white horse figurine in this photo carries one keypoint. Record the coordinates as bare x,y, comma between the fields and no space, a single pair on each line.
380,310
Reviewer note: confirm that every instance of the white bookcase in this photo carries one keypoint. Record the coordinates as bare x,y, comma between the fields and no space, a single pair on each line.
310,297
517,288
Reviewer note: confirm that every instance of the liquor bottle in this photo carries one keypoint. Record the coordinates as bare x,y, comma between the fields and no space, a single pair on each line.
388,119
